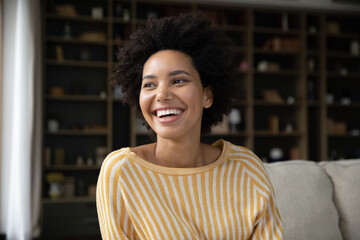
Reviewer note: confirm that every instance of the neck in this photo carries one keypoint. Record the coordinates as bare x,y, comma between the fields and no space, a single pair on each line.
180,153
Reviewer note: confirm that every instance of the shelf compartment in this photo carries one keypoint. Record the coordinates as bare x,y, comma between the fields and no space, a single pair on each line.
276,52
343,35
294,72
75,81
76,63
347,135
314,104
314,35
341,54
91,53
121,32
70,132
84,98
71,168
313,74
229,134
57,39
283,20
69,199
234,28
288,144
340,105
78,116
267,133
276,31
123,22
344,147
78,18
313,53
240,103
155,9
263,103
240,39
350,75
62,150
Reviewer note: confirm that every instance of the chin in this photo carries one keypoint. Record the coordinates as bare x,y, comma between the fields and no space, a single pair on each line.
169,135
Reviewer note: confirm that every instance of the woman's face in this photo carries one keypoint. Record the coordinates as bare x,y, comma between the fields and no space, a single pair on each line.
172,97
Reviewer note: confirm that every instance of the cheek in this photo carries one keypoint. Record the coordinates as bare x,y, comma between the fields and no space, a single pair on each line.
195,97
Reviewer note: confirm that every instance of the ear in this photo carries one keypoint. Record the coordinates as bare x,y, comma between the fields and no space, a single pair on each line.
208,96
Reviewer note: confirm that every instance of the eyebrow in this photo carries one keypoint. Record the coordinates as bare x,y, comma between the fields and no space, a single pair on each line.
172,73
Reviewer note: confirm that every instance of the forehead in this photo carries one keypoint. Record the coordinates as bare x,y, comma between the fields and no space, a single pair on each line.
168,60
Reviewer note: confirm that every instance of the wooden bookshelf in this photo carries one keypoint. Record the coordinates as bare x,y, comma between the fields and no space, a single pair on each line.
307,60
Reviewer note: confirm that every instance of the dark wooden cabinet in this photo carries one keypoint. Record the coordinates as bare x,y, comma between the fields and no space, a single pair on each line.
70,220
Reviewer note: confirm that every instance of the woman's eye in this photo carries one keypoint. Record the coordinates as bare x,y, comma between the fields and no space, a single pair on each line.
180,80
148,85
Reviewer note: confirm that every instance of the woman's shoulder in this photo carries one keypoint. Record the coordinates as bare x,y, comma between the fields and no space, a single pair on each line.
251,163
115,159
245,155
237,150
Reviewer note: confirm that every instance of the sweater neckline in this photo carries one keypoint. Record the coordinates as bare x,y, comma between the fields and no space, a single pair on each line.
225,148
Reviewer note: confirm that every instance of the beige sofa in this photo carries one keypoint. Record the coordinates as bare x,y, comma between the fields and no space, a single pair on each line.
319,201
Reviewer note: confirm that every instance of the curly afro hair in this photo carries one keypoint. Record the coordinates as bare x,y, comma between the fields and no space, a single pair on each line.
212,54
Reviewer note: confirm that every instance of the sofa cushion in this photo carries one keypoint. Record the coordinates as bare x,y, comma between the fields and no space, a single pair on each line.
345,176
304,198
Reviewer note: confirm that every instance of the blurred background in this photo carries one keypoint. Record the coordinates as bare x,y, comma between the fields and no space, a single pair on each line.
298,78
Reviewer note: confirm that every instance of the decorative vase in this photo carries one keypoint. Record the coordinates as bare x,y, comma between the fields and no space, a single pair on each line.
234,119
54,190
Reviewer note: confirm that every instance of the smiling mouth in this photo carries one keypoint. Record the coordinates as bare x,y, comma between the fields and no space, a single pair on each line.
168,113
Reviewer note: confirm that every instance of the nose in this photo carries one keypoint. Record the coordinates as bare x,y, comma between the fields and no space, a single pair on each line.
163,93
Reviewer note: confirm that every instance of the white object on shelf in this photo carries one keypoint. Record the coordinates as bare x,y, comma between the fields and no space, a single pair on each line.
234,119
102,94
289,128
354,47
285,22
79,160
329,98
53,125
97,12
126,15
54,190
67,31
263,66
276,154
290,100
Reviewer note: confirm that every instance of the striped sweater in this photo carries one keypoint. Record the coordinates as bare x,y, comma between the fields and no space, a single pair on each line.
231,198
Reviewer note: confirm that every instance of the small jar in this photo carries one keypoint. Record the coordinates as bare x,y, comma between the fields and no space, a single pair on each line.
276,154
53,125
354,47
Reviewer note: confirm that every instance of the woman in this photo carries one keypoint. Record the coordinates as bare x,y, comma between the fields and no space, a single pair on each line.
176,71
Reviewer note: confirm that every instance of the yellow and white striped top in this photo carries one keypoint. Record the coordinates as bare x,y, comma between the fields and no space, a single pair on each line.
231,198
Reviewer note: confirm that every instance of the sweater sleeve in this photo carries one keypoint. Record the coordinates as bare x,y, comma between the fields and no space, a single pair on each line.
268,223
113,216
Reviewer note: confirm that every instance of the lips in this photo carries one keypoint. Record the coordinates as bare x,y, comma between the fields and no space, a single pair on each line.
168,114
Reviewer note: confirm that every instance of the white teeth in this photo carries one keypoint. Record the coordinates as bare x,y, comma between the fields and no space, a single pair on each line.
161,113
